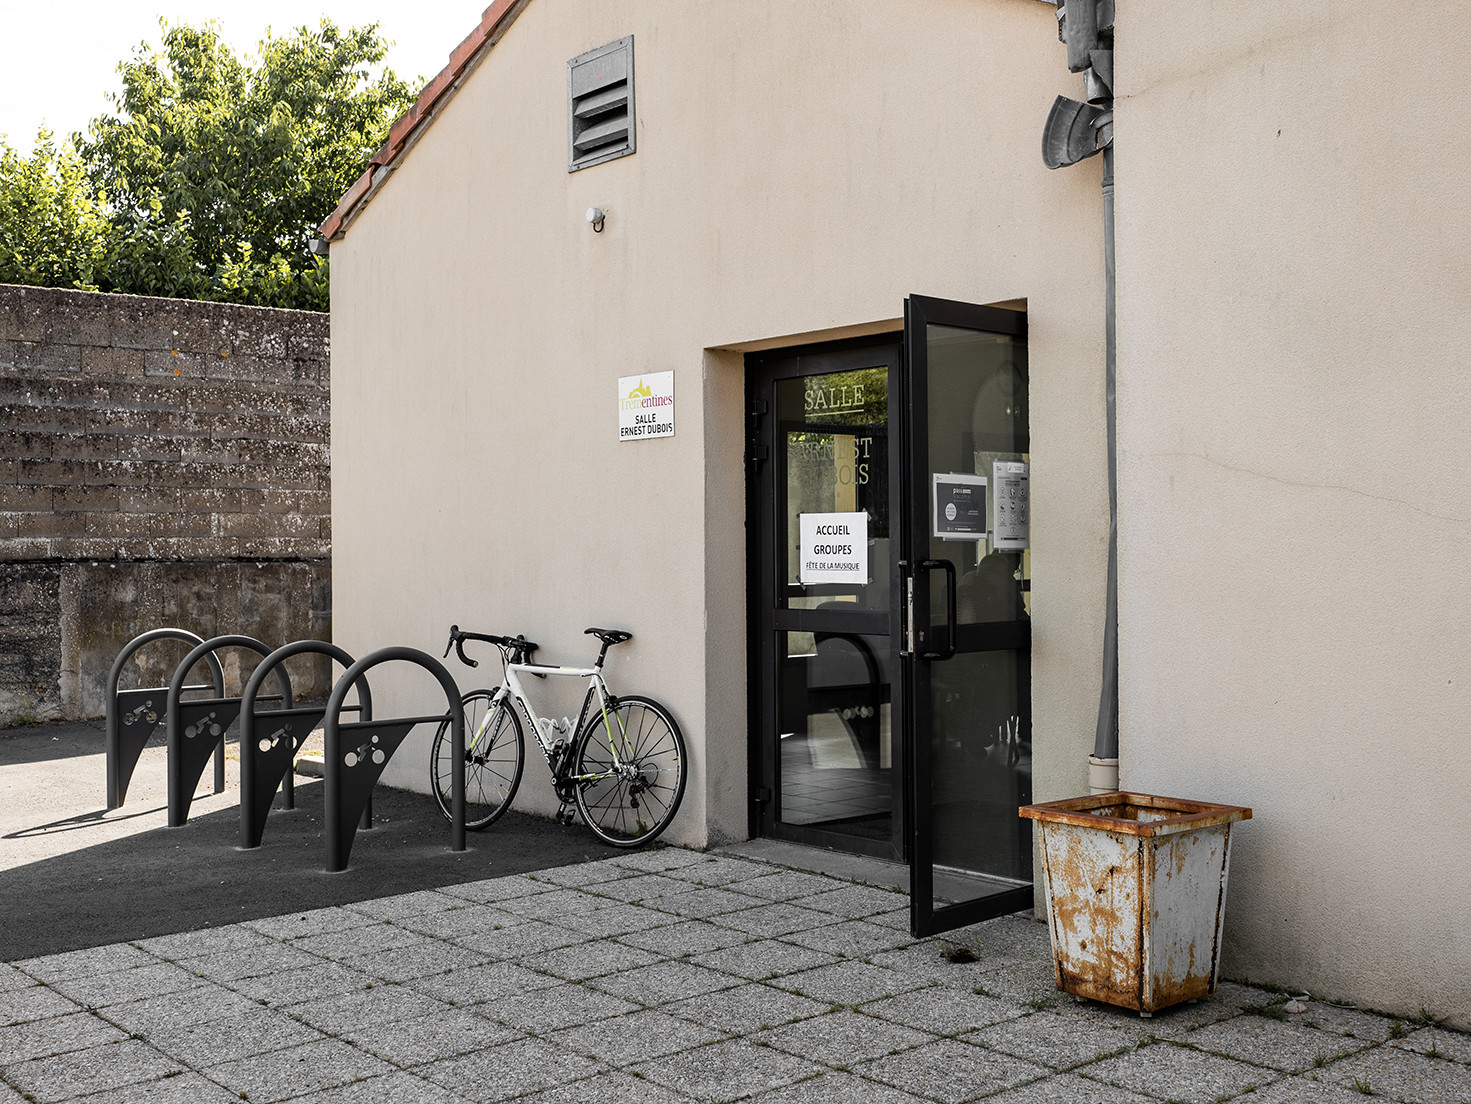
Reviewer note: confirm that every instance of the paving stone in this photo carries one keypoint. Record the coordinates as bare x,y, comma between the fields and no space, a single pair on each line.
944,1011
771,920
1052,1040
1034,982
835,1088
499,1073
589,960
664,982
497,889
428,956
720,871
84,963
582,874
556,904
205,941
1288,1045
324,979
658,859
950,1071
726,1071
546,1010
311,1067
366,1007
1184,1074
852,901
1439,1043
476,984
532,937
746,1008
615,919
402,906
1304,1090
852,938
295,925
13,978
57,1035
1068,1088
1014,938
462,920
640,887
258,1031
120,986
353,942
1237,995
702,904
898,919
36,1002
787,885
688,937
607,1088
429,1038
183,1088
173,1011
391,1088
109,1066
842,1038
232,966
1403,1075
848,983
1338,1020
764,958
636,1037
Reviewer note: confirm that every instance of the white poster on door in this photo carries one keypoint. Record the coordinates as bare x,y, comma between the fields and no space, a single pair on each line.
1009,529
833,548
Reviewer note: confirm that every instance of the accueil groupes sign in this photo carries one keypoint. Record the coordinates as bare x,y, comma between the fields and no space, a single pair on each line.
833,548
646,406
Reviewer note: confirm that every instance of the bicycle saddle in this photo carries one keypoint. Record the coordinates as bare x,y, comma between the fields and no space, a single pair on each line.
609,636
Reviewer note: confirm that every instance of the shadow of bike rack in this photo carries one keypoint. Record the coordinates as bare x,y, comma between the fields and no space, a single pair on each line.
198,726
356,753
269,741
132,715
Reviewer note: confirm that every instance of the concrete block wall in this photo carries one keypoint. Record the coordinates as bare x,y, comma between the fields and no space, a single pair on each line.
162,462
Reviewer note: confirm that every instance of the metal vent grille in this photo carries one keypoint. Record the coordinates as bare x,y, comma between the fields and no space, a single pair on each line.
600,119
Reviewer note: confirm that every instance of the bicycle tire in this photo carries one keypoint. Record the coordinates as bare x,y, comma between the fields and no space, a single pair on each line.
492,766
614,807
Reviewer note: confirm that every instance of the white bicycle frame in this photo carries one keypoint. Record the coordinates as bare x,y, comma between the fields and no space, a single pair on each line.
512,687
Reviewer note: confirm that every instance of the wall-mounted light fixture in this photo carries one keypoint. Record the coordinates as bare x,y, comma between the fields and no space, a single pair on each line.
596,216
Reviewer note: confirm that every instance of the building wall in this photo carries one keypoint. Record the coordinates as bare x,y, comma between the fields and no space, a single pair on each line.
800,169
162,462
1294,423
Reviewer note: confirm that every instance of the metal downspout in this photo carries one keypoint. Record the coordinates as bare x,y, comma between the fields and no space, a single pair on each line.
1106,736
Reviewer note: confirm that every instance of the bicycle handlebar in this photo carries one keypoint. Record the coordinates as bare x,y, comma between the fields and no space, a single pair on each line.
519,646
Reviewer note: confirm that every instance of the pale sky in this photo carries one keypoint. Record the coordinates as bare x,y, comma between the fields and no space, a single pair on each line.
58,58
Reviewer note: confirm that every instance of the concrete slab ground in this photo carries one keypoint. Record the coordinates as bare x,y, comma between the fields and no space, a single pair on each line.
662,976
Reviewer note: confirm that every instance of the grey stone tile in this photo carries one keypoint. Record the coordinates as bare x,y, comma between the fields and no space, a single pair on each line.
1438,1043
312,1067
664,982
57,1035
835,1088
1034,982
428,956
532,937
1404,1075
787,885
1338,1020
702,904
589,960
185,1088
852,901
616,919
429,1038
392,1088
204,941
852,938
941,1010
497,889
556,904
173,1011
402,906
849,983
1304,1090
688,937
721,870
950,1071
119,986
93,960
476,984
353,942
13,978
1068,1088
898,919
546,1010
295,925
640,887
36,1002
460,921
764,958
726,1071
258,1031
746,1008
1284,1045
9,1095
1052,1040
324,979
607,1088
366,1008
656,860
1189,1075
1234,994
583,874
109,1066
925,961
636,1037
1014,938
231,966
501,1072
843,1038
771,920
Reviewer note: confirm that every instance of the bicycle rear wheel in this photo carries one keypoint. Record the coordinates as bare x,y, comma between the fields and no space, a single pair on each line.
494,756
629,799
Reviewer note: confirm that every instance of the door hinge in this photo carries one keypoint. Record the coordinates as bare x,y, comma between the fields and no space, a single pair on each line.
756,452
763,795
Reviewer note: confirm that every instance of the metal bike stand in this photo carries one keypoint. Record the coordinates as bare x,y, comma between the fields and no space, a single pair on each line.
132,715
356,753
269,741
198,726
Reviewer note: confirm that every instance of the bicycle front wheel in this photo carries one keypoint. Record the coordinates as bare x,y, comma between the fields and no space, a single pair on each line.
629,771
494,756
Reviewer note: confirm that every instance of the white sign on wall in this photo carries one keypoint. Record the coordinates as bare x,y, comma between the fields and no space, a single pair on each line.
1010,527
646,406
833,548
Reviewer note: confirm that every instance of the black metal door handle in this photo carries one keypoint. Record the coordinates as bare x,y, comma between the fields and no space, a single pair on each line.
949,569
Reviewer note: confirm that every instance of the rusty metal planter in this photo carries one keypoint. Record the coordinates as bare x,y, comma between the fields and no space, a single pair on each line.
1136,895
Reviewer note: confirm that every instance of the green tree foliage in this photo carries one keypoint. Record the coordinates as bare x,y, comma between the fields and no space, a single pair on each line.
211,175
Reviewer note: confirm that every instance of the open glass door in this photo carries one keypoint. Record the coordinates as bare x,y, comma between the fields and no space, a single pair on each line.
966,631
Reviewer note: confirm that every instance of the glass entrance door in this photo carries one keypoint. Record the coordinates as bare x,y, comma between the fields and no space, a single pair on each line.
967,581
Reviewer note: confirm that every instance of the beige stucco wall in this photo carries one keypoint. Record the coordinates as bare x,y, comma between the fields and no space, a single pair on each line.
1294,427
801,167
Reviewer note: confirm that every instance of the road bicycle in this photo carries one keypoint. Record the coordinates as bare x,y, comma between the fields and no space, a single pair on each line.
624,772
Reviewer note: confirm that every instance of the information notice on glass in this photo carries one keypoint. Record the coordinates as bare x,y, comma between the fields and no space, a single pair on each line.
959,506
646,406
1009,528
833,548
